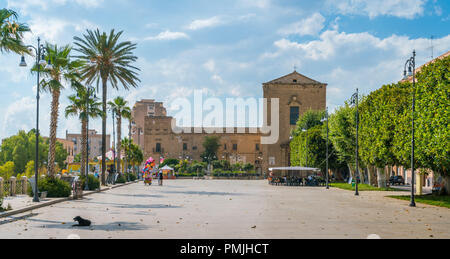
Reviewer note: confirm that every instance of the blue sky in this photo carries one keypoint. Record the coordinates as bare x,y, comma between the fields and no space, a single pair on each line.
230,47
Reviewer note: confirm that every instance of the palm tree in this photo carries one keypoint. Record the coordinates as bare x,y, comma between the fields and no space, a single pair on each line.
63,70
136,157
121,110
126,146
83,105
110,61
11,32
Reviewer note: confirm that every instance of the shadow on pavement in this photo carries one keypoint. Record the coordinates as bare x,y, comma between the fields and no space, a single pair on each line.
113,226
14,219
138,206
137,195
206,193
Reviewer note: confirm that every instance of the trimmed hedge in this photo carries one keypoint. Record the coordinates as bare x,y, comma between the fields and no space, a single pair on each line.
93,182
54,187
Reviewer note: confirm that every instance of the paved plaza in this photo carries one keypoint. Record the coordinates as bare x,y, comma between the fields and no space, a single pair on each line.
190,209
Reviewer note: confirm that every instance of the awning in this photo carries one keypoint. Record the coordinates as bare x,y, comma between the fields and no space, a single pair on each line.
167,168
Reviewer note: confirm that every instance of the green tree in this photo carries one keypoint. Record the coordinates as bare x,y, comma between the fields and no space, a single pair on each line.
309,120
211,145
21,149
136,156
11,32
380,119
342,124
108,61
432,120
64,70
7,170
83,106
121,110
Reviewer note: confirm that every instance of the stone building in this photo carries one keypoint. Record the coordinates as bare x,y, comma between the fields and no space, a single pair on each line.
95,143
152,128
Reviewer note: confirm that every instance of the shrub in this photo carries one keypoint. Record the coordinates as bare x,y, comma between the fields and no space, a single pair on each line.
93,182
121,179
54,187
132,177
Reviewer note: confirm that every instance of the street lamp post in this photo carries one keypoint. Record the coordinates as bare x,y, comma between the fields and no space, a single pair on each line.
327,168
411,64
355,99
40,62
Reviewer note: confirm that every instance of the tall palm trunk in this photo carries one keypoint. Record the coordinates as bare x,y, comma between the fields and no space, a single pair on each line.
52,137
104,81
83,146
119,141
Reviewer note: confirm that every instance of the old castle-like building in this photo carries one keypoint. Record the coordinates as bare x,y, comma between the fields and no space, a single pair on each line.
152,128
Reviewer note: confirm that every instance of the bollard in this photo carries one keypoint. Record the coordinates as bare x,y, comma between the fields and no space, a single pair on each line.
12,185
24,185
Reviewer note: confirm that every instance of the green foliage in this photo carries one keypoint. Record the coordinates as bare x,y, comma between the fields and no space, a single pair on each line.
309,120
121,179
7,170
433,116
93,182
132,177
248,167
77,158
310,146
211,145
237,167
54,187
342,125
11,32
172,162
381,134
221,164
21,150
197,167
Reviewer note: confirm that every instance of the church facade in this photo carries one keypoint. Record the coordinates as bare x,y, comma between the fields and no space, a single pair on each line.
296,94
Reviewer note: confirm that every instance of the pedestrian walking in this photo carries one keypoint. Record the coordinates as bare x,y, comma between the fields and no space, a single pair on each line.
160,178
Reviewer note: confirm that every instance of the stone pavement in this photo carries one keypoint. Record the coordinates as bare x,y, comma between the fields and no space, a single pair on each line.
191,209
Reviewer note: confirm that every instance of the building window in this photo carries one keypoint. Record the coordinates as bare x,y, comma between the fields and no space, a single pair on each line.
257,147
295,114
194,148
158,147
235,147
225,147
185,147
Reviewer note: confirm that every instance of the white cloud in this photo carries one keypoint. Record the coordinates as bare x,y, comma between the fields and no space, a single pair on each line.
26,6
309,26
206,23
168,35
400,8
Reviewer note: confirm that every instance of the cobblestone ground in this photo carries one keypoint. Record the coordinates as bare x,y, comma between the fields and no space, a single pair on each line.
230,210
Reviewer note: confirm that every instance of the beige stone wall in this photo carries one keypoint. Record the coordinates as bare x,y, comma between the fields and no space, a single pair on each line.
292,90
158,130
95,143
